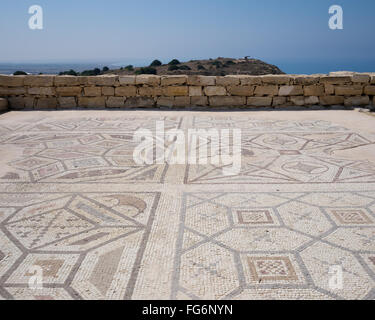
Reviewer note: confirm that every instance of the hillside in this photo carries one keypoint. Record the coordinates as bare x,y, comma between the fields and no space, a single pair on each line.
210,67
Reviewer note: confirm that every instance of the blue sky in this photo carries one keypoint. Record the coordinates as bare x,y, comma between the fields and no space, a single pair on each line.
286,33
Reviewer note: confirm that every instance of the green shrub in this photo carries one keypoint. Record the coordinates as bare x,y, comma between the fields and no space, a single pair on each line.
200,67
93,72
174,62
146,70
105,69
217,64
173,67
71,72
129,68
184,67
20,73
155,63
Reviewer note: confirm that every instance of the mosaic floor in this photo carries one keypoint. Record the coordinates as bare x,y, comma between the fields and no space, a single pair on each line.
74,204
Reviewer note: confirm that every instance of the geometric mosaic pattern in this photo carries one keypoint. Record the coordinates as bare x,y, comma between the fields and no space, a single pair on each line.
81,241
285,152
287,242
75,205
52,152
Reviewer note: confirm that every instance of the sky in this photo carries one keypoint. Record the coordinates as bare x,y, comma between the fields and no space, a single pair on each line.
288,33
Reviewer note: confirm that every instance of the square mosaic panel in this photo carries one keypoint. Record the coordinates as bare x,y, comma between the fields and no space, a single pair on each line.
230,244
87,245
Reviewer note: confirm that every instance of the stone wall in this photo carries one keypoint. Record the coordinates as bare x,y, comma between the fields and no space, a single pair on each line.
3,105
59,92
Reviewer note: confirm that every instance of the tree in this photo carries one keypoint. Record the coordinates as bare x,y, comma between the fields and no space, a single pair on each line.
105,69
184,67
155,63
71,72
174,62
20,73
146,70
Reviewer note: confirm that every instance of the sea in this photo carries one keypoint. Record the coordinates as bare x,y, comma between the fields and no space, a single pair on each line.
290,66
57,67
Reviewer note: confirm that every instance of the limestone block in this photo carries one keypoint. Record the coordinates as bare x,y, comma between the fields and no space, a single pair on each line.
291,90
279,101
92,91
181,101
370,90
29,102
139,102
276,79
109,80
12,81
150,91
200,101
201,80
297,100
361,78
228,81
126,91
227,101
311,100
115,102
108,91
46,103
372,81
331,100
173,102
83,80
329,89
259,101
352,90
39,81
215,91
67,81
68,91
314,90
16,102
91,102
149,79
165,102
172,91
45,91
266,90
3,105
195,91
336,79
241,90
12,91
357,101
127,80
249,80
173,80
306,79
67,102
